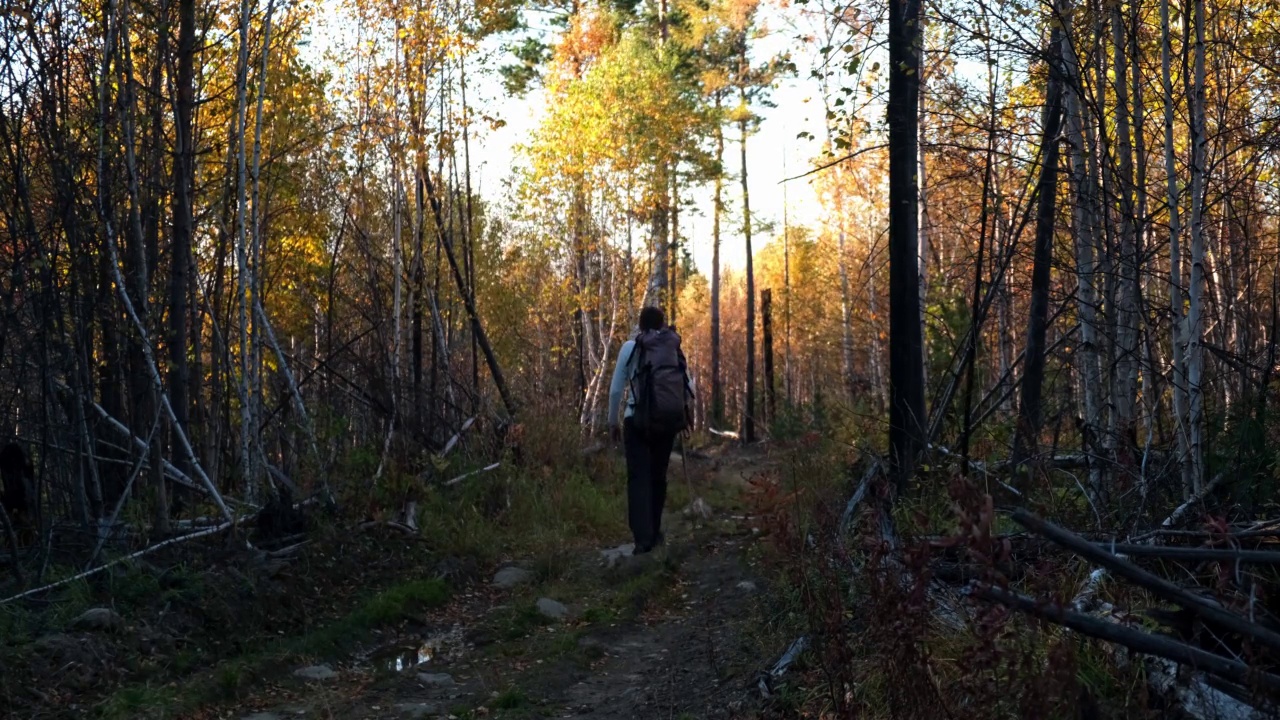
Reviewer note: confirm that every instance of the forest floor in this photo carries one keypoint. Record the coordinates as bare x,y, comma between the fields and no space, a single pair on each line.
375,624
663,636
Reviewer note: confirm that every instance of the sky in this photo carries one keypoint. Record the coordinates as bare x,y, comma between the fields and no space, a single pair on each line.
774,152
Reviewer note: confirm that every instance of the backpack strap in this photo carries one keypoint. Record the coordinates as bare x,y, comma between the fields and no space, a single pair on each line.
684,369
634,359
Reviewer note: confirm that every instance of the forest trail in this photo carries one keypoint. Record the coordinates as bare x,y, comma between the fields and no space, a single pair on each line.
673,634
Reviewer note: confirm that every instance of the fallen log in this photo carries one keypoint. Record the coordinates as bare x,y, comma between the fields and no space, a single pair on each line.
794,651
448,446
464,476
1234,536
1194,554
852,506
132,556
1136,640
1204,607
1199,497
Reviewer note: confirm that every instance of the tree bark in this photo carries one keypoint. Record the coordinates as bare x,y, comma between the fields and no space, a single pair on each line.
976,308
244,277
717,381
1177,312
766,325
1127,326
673,288
748,419
184,179
907,417
1195,306
656,290
1084,224
846,306
1142,260
491,359
1029,411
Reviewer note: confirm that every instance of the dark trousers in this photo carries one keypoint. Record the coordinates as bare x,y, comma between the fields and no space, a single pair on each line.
647,460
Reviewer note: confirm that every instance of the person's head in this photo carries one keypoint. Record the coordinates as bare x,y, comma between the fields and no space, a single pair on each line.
651,318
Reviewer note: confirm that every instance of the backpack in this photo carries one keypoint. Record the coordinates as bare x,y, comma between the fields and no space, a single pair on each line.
660,383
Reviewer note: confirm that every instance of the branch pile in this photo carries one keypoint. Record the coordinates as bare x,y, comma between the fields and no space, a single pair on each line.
1213,654
1197,626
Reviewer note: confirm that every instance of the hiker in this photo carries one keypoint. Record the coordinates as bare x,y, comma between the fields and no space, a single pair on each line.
652,369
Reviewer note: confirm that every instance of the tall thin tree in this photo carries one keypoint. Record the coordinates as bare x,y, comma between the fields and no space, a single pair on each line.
906,335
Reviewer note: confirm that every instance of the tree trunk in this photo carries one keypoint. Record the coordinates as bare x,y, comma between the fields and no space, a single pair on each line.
922,202
1177,312
906,341
184,180
846,306
469,227
748,419
655,292
244,278
1142,260
1195,305
491,359
786,290
1127,327
1028,430
976,308
1084,222
717,208
145,257
766,326
673,289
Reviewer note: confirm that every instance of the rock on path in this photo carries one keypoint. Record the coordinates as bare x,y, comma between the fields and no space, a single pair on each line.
99,620
511,576
316,673
436,679
615,556
552,609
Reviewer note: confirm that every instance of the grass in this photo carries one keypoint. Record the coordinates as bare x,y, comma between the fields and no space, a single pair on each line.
138,700
510,699
541,514
519,622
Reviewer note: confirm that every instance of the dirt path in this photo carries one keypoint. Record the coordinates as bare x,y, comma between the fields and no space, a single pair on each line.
671,635
688,662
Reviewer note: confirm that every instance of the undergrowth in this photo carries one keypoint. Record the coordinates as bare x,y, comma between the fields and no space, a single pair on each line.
238,623
881,644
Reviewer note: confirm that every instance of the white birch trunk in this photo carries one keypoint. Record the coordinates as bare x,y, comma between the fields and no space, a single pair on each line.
1084,223
1179,380
846,310
397,264
258,277
243,280
1195,291
1127,311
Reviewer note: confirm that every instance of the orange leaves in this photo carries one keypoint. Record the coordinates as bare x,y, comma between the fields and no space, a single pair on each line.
739,13
590,34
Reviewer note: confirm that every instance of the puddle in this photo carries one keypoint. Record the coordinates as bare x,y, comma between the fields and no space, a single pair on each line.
407,658
419,652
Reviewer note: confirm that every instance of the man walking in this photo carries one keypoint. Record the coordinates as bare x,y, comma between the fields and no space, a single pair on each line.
653,370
